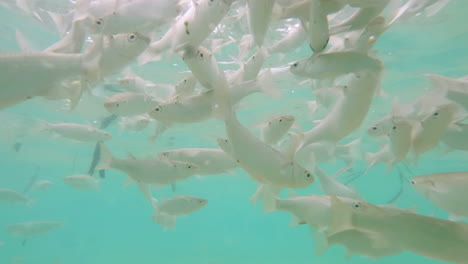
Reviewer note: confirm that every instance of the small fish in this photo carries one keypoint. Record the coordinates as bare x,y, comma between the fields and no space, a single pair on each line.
349,111
167,211
82,182
209,161
432,128
259,16
8,196
424,235
155,172
397,149
190,29
332,65
42,185
274,128
203,65
135,123
250,69
32,229
79,132
445,190
130,104
293,39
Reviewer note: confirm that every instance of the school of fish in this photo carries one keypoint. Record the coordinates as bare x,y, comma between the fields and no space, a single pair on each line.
103,45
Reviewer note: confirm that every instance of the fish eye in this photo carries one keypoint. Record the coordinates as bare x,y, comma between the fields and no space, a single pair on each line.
201,55
356,205
99,22
117,105
295,64
374,128
226,141
394,127
131,37
308,175
281,120
189,166
435,114
253,57
413,182
157,109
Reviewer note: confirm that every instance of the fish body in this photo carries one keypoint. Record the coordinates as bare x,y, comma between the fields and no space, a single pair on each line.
349,111
136,123
79,132
276,127
32,229
130,104
427,236
445,190
156,172
168,210
8,196
209,161
259,16
82,182
332,65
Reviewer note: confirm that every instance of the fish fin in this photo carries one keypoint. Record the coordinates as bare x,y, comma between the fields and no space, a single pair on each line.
320,240
23,43
131,156
144,188
265,82
372,158
350,152
246,44
105,159
296,139
91,61
341,216
173,187
456,218
160,128
166,220
292,193
295,221
267,194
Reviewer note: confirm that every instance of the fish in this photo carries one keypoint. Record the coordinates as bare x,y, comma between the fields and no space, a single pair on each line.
349,111
431,129
209,161
42,185
454,137
144,172
317,26
248,70
263,163
130,104
84,182
33,228
37,66
446,190
334,64
294,37
78,132
430,237
9,196
166,211
315,211
135,123
259,16
120,50
274,128
202,64
190,29
400,141
331,186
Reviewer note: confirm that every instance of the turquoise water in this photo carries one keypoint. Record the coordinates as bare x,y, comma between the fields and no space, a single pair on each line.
113,225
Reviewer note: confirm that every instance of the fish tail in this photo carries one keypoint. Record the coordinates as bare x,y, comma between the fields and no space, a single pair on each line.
105,159
350,152
223,104
166,220
266,84
268,195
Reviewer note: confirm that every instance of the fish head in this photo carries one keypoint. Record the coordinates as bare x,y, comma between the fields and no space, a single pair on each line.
298,68
186,168
225,145
186,85
282,121
198,202
423,184
165,112
164,154
301,177
381,128
114,104
128,46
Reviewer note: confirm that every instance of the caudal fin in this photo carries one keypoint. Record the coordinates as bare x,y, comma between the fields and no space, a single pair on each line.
166,220
267,194
105,159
